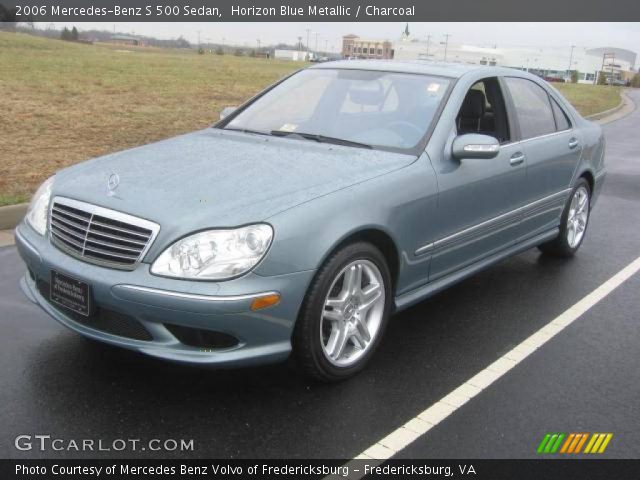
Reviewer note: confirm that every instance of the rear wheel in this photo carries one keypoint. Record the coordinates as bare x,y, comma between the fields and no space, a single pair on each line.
344,314
573,227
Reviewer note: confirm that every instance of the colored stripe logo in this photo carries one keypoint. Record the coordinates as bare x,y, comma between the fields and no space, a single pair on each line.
573,443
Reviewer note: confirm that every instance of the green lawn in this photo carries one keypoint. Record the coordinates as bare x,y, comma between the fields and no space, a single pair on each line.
64,102
590,99
12,199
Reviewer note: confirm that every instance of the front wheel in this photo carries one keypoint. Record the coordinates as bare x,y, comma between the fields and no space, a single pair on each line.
344,314
574,221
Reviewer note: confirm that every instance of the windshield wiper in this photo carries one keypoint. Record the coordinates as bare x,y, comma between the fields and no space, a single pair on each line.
320,138
244,130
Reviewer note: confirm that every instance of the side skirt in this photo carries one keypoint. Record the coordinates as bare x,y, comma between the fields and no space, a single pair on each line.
409,299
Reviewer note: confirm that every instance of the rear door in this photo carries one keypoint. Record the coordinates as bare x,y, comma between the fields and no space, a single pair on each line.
552,148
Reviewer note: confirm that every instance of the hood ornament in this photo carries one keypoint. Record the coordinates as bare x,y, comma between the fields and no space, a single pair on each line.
112,184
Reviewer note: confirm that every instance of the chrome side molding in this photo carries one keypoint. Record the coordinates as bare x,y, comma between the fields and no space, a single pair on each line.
500,219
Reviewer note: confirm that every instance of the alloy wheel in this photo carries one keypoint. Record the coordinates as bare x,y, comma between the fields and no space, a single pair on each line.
353,312
578,217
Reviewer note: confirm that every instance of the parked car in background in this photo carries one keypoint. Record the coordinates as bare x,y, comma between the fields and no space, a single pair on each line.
618,82
304,218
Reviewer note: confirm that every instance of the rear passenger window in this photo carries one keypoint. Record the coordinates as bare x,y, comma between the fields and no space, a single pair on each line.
562,121
533,107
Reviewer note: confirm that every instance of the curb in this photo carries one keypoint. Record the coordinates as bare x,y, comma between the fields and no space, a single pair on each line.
11,215
604,113
609,115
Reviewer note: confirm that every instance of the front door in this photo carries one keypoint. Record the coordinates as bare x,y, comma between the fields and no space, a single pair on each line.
479,199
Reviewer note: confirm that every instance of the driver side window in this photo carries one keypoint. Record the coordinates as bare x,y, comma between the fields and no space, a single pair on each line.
483,111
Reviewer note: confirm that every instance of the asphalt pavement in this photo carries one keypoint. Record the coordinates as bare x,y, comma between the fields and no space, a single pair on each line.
586,379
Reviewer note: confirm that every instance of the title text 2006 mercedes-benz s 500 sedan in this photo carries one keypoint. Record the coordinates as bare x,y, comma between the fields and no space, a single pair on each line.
300,221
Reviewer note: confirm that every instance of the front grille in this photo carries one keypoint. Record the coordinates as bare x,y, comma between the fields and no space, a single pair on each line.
102,319
99,235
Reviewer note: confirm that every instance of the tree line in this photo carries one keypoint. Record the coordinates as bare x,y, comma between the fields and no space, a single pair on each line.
69,35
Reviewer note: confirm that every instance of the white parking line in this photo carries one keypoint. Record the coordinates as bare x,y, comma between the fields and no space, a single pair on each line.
400,438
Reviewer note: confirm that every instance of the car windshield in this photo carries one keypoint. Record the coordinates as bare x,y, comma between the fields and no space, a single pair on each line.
350,107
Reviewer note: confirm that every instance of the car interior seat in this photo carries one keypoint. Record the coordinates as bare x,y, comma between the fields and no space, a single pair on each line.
472,112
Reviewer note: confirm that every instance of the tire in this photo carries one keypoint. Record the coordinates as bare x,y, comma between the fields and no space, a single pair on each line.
573,225
330,337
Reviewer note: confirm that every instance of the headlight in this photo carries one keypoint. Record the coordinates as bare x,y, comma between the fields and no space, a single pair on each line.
215,254
39,207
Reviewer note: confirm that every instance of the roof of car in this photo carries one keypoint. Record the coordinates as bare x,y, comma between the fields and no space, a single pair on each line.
427,67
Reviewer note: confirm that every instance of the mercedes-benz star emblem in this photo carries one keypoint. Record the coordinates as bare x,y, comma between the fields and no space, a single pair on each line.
112,183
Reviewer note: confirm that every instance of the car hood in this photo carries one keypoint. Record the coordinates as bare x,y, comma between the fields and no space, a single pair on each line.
217,178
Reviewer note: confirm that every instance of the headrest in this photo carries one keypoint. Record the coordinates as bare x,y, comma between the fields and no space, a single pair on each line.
473,105
367,96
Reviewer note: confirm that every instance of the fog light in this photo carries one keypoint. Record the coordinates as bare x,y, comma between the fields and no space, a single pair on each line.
265,301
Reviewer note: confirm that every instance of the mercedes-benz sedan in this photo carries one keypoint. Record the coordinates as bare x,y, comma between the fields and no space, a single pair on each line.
300,221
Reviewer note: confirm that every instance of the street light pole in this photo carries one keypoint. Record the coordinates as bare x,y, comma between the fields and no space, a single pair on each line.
428,43
570,62
446,45
612,62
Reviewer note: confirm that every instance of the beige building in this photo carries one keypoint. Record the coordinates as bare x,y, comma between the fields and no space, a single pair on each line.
355,47
127,40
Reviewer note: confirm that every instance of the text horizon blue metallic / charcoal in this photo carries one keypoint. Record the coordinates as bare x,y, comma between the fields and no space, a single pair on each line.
298,223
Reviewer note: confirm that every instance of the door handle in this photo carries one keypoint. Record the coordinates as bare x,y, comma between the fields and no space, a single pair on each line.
573,143
516,159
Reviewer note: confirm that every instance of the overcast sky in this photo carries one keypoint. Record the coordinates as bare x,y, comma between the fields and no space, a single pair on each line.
623,35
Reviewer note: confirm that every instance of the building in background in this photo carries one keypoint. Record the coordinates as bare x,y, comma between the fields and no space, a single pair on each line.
126,40
354,46
553,62
295,55
427,50
618,64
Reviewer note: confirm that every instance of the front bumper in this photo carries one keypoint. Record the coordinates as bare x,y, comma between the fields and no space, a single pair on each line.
152,302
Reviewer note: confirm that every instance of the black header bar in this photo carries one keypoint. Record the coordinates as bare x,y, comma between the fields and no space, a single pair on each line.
321,10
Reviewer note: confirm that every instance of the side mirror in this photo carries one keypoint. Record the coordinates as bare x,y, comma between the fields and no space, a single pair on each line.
226,112
474,145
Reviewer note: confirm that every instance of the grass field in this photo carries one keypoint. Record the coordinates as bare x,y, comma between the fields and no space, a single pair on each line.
63,103
590,99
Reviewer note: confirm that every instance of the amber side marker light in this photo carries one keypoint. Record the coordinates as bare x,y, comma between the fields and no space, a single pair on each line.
265,301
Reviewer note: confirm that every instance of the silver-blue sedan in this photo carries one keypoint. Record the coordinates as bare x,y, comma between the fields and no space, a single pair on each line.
304,218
